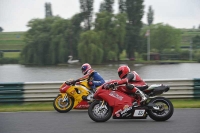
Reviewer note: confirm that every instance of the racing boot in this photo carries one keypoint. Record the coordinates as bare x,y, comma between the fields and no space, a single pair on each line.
142,95
90,97
135,104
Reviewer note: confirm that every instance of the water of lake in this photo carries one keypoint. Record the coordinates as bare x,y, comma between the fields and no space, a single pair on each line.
21,73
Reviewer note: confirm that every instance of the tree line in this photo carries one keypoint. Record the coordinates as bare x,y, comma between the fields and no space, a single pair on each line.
51,40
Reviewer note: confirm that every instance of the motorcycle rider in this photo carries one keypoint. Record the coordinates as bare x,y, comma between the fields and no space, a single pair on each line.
132,80
93,77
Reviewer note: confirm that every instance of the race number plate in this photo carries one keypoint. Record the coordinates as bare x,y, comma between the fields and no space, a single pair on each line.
139,113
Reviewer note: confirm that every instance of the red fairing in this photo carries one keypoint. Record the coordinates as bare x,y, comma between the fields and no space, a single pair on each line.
116,99
64,88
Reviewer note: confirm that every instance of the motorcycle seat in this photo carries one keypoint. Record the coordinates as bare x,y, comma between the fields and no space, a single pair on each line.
142,88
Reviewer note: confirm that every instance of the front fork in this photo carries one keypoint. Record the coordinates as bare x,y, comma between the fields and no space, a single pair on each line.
64,97
103,105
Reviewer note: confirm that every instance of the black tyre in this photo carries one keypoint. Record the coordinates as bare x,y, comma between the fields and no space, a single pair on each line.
163,109
98,112
63,107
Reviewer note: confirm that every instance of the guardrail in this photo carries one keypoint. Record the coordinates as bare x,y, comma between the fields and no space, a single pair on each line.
47,91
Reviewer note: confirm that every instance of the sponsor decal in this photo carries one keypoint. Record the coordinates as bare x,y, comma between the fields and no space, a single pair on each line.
126,109
123,111
115,95
117,115
82,106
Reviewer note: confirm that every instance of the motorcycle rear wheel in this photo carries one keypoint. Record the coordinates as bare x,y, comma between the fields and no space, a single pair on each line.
63,107
165,109
98,113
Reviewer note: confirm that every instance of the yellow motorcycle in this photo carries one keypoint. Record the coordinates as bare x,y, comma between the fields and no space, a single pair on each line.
73,96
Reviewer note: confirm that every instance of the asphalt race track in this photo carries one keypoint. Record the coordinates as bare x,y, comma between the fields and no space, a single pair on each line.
182,121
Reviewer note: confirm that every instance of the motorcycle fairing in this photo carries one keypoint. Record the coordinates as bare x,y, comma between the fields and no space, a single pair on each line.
64,87
76,91
116,99
82,105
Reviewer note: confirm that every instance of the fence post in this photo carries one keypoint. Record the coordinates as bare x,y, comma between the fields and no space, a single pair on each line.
196,87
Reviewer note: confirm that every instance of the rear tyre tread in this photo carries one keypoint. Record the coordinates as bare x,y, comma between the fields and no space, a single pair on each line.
166,117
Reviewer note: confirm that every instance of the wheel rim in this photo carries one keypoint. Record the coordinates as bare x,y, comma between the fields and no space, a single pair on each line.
100,111
63,105
161,108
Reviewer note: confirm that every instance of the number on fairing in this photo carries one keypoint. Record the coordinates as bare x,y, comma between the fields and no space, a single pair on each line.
139,113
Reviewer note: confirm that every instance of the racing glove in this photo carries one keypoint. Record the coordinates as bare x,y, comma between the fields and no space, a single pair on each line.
111,86
90,83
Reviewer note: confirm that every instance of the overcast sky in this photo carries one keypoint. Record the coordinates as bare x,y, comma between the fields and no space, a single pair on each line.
15,14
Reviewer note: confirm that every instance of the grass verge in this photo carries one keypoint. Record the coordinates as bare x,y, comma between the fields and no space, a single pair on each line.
48,106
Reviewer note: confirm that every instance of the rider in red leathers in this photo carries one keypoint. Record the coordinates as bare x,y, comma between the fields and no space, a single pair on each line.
132,81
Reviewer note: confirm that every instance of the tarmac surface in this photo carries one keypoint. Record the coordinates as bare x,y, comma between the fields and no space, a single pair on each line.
75,121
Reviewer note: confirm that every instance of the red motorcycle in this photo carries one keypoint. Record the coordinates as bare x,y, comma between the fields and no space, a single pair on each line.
118,103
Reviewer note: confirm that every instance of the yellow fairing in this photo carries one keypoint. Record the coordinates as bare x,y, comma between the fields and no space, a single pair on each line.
78,91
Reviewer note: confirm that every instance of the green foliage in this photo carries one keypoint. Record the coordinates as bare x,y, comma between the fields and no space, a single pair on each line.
134,10
87,9
75,31
51,40
107,5
123,55
37,41
89,48
5,60
122,6
111,29
1,29
196,42
184,54
102,7
150,16
197,55
114,36
1,54
164,37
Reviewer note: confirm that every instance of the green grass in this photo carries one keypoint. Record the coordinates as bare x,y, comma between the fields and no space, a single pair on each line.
11,46
11,54
36,106
186,103
11,35
48,106
11,42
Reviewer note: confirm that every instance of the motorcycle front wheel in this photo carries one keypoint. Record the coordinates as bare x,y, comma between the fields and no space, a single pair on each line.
162,109
63,106
99,112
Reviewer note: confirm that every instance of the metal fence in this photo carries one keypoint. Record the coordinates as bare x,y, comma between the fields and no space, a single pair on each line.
47,91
